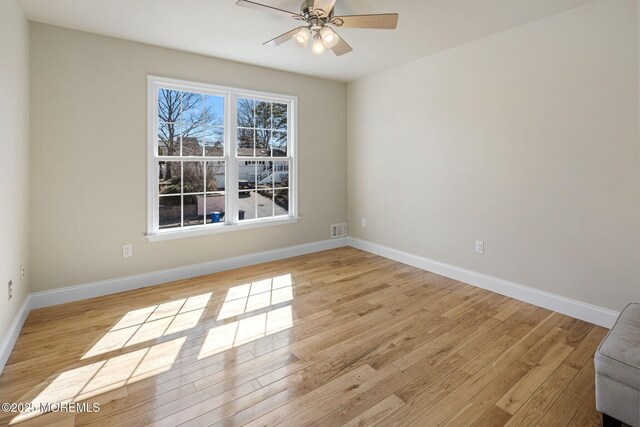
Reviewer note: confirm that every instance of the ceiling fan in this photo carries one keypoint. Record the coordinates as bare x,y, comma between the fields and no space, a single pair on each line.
318,16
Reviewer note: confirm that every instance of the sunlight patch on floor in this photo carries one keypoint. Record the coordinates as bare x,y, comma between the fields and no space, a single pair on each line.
85,382
234,334
150,323
254,296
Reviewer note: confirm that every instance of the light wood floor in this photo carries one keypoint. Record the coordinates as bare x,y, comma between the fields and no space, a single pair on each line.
340,337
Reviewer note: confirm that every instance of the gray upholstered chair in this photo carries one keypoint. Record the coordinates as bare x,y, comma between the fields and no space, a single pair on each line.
617,363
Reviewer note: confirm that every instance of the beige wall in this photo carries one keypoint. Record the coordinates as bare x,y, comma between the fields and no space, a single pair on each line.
14,157
527,140
88,170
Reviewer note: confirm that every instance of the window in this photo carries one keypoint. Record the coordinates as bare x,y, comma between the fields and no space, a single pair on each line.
220,159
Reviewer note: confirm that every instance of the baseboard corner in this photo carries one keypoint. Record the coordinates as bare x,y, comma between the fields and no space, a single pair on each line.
578,309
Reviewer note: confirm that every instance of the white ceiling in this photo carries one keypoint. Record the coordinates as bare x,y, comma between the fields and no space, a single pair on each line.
220,28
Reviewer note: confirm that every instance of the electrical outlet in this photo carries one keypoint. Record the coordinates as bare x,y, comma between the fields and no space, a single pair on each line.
10,289
479,247
22,272
364,222
127,251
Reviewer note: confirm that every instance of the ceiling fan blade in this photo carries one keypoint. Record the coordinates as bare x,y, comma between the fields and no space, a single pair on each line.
325,5
282,38
265,8
341,47
384,21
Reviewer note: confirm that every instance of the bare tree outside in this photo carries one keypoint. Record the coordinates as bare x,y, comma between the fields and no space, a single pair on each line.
246,116
186,116
262,125
189,125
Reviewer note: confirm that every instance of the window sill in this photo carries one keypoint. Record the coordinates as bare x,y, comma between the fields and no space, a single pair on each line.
206,230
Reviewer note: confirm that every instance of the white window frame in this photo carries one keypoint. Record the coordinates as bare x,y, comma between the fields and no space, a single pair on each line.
230,94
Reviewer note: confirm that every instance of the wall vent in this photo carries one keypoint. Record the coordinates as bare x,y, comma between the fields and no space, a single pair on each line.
338,230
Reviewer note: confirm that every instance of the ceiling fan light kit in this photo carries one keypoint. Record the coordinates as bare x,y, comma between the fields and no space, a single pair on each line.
318,45
329,37
302,37
317,16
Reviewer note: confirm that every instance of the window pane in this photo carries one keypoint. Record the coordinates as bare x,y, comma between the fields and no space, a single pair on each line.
265,175
213,110
246,175
192,143
169,106
279,144
246,205
263,115
213,139
245,142
190,210
281,199
246,116
170,212
170,178
262,143
265,203
168,139
193,177
215,209
192,188
215,176
281,174
192,108
279,116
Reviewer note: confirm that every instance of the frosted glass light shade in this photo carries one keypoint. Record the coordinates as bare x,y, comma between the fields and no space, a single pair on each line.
302,37
318,45
329,37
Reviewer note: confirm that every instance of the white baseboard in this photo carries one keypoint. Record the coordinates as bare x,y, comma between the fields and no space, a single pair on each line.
121,284
9,340
574,308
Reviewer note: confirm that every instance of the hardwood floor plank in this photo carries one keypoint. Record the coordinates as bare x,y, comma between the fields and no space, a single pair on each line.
520,393
487,385
530,413
494,417
376,413
281,413
339,337
174,413
314,405
585,350
587,416
477,395
567,404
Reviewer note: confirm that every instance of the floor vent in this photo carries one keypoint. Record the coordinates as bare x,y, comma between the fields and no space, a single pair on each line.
338,230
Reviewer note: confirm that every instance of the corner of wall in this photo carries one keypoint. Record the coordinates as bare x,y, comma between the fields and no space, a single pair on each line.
14,162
